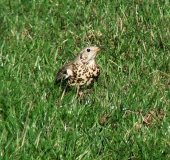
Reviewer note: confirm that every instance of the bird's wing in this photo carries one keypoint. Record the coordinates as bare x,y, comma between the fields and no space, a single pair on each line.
64,73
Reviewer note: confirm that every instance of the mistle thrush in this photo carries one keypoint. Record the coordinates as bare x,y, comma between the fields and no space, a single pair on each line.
83,70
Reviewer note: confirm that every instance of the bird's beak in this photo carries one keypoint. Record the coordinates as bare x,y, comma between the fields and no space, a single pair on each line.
100,48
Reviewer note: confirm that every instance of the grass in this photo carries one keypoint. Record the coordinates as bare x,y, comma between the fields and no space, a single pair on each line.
126,115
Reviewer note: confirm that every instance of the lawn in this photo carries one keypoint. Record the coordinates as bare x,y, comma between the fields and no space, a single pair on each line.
126,113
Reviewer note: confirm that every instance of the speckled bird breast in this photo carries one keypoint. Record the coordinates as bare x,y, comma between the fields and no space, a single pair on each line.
83,75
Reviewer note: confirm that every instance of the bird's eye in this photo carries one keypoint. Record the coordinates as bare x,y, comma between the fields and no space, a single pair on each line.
88,50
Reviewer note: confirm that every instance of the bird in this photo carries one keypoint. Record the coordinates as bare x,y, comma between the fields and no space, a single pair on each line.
82,71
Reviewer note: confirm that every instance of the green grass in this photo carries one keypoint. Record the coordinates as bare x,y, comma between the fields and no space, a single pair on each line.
126,115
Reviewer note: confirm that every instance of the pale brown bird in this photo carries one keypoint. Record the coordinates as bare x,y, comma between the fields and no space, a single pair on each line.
82,71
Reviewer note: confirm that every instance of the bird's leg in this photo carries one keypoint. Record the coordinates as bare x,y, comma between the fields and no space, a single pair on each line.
77,92
63,94
81,94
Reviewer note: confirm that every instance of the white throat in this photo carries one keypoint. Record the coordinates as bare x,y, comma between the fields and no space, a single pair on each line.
91,63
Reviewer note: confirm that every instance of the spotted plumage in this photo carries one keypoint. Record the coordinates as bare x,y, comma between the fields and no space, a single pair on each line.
83,70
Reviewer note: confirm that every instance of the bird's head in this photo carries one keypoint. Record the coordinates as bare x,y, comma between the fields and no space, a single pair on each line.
88,54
